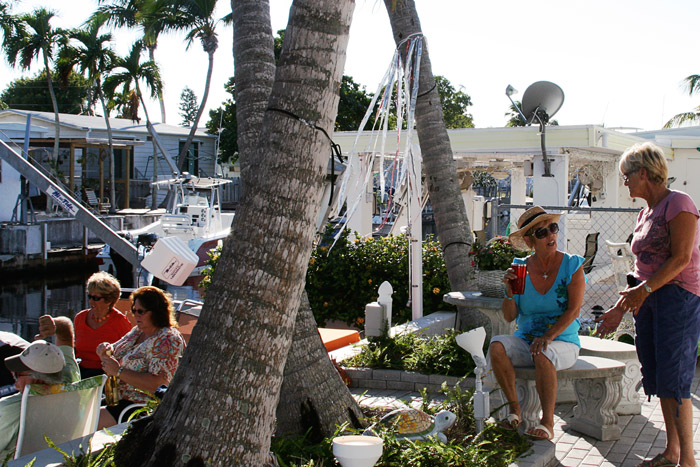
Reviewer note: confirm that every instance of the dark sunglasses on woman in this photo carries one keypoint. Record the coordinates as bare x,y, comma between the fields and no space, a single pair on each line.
544,231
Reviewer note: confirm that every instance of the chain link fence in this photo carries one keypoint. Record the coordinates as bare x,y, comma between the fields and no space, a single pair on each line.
583,231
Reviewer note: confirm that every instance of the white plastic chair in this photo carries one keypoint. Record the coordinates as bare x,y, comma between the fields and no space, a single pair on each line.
122,415
622,260
623,263
63,416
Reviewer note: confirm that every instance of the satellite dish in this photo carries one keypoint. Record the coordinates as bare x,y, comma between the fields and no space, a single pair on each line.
542,99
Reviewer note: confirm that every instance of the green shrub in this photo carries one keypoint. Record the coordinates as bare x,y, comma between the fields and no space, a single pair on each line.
412,352
341,280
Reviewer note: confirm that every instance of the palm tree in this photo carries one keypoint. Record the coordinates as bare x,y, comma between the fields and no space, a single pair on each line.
513,115
196,17
30,37
328,397
691,85
220,406
130,13
451,220
90,52
130,71
7,20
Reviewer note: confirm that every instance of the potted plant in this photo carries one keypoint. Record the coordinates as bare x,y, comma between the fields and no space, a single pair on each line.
490,260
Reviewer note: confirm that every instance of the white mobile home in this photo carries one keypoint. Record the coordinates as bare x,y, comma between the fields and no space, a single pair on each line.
83,162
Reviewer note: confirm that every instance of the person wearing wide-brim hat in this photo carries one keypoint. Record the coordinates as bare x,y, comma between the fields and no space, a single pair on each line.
547,316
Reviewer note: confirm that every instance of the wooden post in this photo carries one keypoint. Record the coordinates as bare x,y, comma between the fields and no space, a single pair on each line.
71,176
102,180
127,178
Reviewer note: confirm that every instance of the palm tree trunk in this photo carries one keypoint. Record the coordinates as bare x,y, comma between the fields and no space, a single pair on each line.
313,397
112,190
152,57
220,407
154,190
182,160
54,103
254,62
451,220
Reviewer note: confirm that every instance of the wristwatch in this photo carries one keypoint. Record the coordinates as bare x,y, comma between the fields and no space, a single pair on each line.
647,288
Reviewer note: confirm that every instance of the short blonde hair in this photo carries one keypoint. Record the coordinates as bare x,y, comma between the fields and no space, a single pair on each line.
106,285
646,156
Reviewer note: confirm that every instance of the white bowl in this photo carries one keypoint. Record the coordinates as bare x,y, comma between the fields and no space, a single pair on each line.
357,450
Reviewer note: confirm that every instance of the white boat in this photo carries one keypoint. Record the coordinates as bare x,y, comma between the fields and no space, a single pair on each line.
193,218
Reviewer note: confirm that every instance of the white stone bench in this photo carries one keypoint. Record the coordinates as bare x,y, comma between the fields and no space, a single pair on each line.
630,401
597,385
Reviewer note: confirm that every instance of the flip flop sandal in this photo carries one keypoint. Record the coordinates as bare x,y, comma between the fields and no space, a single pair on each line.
531,433
657,461
512,422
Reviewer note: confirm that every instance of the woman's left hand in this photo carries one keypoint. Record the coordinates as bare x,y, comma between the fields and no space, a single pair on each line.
539,345
632,299
110,366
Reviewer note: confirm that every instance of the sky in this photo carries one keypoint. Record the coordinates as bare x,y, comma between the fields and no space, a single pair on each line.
620,63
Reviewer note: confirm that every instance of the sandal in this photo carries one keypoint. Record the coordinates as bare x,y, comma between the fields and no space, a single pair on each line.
512,422
531,433
657,461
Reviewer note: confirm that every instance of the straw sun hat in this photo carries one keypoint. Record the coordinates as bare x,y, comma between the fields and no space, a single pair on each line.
527,221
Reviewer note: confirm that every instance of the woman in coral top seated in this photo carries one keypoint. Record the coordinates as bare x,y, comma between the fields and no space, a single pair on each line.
99,323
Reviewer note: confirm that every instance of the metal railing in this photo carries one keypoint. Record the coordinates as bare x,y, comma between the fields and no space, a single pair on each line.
579,224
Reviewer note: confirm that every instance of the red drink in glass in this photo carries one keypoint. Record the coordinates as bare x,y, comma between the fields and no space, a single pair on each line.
518,285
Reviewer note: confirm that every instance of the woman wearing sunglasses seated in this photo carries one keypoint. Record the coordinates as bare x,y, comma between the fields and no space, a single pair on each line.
99,323
147,356
547,317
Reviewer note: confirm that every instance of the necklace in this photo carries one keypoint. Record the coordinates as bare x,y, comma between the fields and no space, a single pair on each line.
545,275
100,320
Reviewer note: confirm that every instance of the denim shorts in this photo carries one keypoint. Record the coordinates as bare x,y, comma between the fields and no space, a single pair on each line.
668,327
562,354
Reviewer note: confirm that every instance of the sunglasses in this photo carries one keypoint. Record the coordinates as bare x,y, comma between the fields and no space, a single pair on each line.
542,232
139,311
94,298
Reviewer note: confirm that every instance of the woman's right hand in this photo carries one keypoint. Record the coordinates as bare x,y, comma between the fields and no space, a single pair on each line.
104,350
609,321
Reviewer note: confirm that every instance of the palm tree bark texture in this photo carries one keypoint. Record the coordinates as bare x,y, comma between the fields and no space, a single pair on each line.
313,398
451,220
220,406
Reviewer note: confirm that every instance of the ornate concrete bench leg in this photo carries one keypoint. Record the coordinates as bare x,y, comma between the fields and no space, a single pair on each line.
630,403
595,413
529,402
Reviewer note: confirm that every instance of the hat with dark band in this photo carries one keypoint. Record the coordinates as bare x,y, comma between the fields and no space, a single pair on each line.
527,221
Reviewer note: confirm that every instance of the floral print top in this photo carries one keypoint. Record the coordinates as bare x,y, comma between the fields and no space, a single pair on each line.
159,353
538,312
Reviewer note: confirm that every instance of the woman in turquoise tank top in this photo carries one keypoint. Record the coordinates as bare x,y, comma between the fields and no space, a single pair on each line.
546,314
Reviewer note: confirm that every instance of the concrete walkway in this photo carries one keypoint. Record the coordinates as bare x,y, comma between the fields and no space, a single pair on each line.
643,435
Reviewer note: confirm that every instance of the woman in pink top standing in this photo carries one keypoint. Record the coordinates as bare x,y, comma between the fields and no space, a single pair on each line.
664,296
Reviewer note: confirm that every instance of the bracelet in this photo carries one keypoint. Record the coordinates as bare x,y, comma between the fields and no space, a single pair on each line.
119,371
505,293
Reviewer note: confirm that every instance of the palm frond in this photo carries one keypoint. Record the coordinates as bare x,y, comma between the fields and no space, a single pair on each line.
682,118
